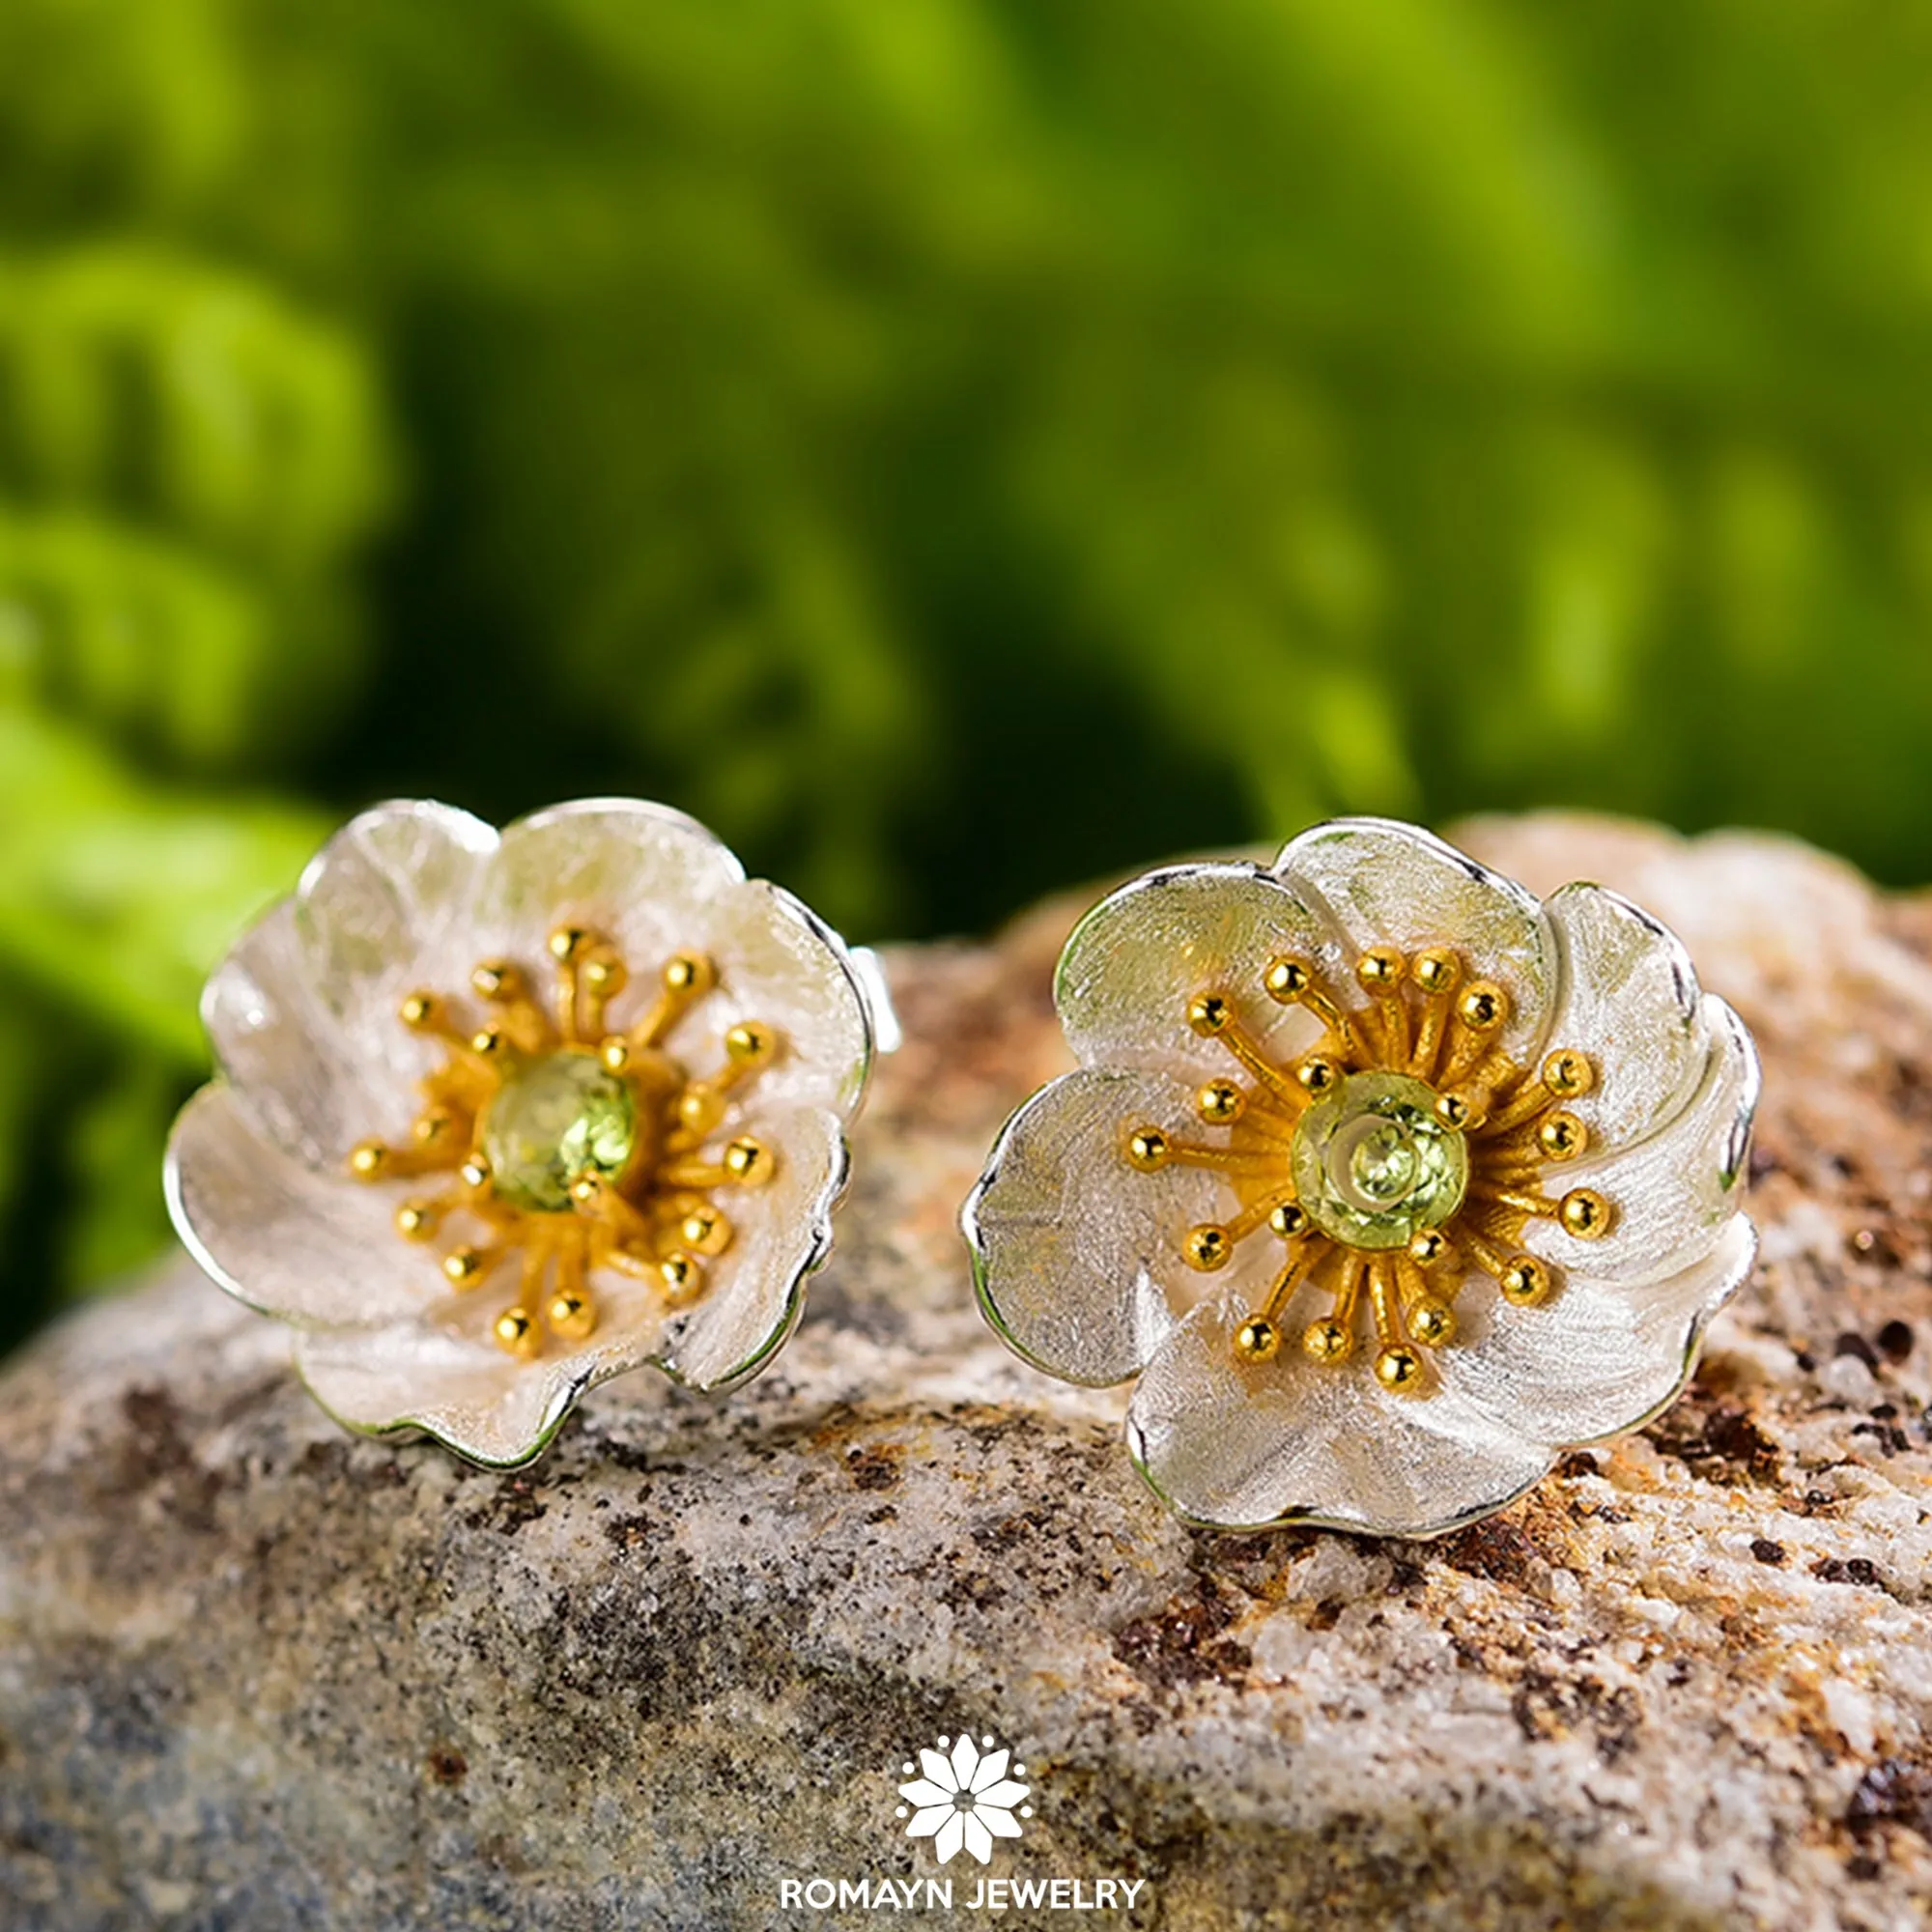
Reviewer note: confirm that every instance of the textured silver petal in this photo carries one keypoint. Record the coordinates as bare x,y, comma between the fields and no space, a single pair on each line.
1377,883
1071,1246
1599,1358
310,1247
1244,1446
1673,1194
780,1233
1136,960
1630,1000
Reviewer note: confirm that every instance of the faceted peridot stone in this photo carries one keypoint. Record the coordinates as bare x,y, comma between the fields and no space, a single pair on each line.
553,1121
1373,1166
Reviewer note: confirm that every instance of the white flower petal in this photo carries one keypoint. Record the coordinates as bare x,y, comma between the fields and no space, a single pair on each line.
782,1232
998,1820
1068,1239
1597,1358
1630,1000
313,1248
978,1841
1379,883
1673,1195
923,1792
1137,959
992,1769
951,1836
288,1060
965,1761
1001,1796
938,1767
382,909
1240,1446
925,1823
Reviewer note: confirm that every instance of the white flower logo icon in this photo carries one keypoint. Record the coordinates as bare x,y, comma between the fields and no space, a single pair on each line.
966,1796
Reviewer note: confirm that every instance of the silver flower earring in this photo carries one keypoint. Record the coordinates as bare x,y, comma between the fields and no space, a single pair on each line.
499,1117
1388,1183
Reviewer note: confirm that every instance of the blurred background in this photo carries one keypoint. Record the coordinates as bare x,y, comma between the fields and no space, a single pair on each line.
952,446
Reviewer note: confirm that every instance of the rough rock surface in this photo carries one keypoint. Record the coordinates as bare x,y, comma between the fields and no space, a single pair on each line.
255,1673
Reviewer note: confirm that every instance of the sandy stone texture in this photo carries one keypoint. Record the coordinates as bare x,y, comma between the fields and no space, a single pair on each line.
255,1673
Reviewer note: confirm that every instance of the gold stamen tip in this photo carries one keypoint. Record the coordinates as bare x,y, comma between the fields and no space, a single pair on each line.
683,1278
1432,1322
604,974
705,1231
571,1315
1289,978
1567,1073
1458,1111
430,1127
1379,968
1562,1136
700,1109
1207,1247
1316,1075
1146,1148
750,1042
497,979
1584,1214
1256,1339
1208,1014
517,1333
1436,970
749,1162
689,973
420,1010
615,1054
1484,1007
1525,1281
566,943
368,1160
1399,1370
1220,1102
1327,1340
475,1173
1429,1248
586,1190
463,1265
490,1042
416,1220
1290,1220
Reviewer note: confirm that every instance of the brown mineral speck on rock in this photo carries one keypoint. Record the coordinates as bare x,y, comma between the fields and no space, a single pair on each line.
254,1672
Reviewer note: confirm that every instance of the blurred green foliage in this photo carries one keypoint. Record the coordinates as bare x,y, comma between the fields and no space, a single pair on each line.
955,449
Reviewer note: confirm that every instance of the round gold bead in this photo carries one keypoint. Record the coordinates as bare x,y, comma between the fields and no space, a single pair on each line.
1379,968
490,1044
750,1043
1220,1103
420,1010
1484,1007
700,1109
517,1333
1208,1014
1429,1248
1207,1247
1290,1220
1326,1340
749,1162
433,1126
1436,970
464,1266
1458,1111
475,1173
1567,1073
1525,1281
566,943
1399,1370
615,1054
416,1220
1584,1214
1256,1339
1433,1323
586,1190
571,1315
368,1160
497,979
1146,1148
604,973
1562,1136
705,1231
1288,978
689,973
1316,1075
683,1278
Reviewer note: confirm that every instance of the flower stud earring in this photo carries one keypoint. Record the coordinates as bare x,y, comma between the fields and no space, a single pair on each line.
1387,1182
501,1117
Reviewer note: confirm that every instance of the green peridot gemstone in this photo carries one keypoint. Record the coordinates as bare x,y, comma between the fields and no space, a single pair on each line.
1373,1165
552,1122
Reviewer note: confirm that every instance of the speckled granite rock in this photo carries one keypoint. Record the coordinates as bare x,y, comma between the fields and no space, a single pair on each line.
256,1674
